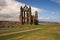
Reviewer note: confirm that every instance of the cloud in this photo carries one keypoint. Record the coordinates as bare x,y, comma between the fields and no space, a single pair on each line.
53,12
10,9
57,1
48,19
2,3
44,19
5,16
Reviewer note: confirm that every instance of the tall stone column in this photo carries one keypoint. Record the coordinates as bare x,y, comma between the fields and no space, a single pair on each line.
36,18
33,19
21,15
27,18
36,15
24,16
29,13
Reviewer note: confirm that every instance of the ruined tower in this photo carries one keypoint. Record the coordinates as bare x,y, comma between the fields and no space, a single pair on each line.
36,18
21,15
26,17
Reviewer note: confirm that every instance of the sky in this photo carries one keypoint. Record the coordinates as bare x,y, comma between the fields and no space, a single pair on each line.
48,10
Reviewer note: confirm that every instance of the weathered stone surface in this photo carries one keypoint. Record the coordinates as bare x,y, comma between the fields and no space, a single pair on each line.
26,17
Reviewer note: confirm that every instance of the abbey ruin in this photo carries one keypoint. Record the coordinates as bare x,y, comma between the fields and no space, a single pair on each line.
26,16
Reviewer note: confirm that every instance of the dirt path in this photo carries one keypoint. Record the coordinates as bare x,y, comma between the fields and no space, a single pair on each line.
18,32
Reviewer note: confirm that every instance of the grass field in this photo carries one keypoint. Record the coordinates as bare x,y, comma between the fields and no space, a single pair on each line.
47,32
20,28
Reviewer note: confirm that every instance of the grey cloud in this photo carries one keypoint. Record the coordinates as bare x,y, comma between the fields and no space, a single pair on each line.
9,9
5,16
2,3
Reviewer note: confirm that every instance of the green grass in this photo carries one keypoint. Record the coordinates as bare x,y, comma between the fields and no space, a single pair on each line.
47,32
20,28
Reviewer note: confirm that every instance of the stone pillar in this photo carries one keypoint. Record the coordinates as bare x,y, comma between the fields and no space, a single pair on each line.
25,14
27,18
29,15
36,17
31,19
24,17
21,15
